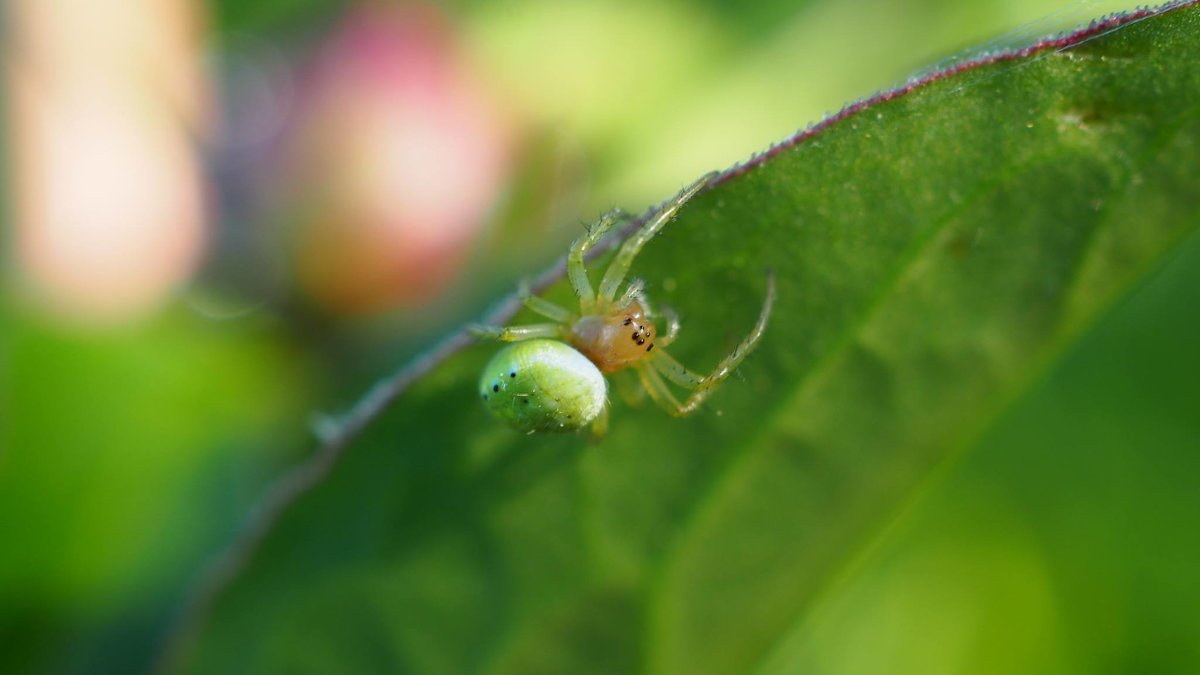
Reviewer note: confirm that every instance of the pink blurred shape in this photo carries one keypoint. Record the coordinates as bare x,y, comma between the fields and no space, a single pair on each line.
108,194
398,156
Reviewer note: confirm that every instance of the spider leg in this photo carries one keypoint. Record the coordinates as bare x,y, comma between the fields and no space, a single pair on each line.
516,333
668,337
576,271
627,388
658,390
674,371
600,425
543,306
633,245
634,291
703,386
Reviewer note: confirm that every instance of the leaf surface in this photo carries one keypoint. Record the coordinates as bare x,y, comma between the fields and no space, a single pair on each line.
936,250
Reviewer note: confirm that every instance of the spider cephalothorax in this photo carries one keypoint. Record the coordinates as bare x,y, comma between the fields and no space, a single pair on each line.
543,385
616,339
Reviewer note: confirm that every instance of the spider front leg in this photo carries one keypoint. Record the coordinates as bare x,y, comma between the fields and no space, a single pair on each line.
701,386
576,270
620,265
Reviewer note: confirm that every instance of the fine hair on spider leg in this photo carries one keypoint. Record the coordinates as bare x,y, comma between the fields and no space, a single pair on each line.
617,269
620,265
576,270
634,291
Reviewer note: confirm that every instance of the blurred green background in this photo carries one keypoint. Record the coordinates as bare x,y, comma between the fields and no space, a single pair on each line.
134,440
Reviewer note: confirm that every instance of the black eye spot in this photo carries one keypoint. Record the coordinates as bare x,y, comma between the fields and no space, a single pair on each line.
628,321
525,401
635,335
641,342
495,387
513,374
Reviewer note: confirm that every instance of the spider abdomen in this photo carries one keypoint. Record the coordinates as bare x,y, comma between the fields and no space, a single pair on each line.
543,385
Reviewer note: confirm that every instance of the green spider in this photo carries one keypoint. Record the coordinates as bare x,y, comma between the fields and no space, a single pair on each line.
552,378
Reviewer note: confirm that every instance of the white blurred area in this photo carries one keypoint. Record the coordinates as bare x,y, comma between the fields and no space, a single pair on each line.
379,178
105,100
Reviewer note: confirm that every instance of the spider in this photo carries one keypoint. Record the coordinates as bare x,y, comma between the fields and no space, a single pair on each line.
552,378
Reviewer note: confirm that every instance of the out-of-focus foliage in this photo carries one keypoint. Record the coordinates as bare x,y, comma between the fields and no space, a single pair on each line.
126,458
275,17
396,160
935,254
662,92
1066,541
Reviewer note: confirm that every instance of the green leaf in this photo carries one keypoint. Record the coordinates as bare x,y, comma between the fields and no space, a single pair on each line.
125,454
936,251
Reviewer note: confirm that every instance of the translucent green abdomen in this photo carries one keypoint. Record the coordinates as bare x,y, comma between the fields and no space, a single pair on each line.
542,385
